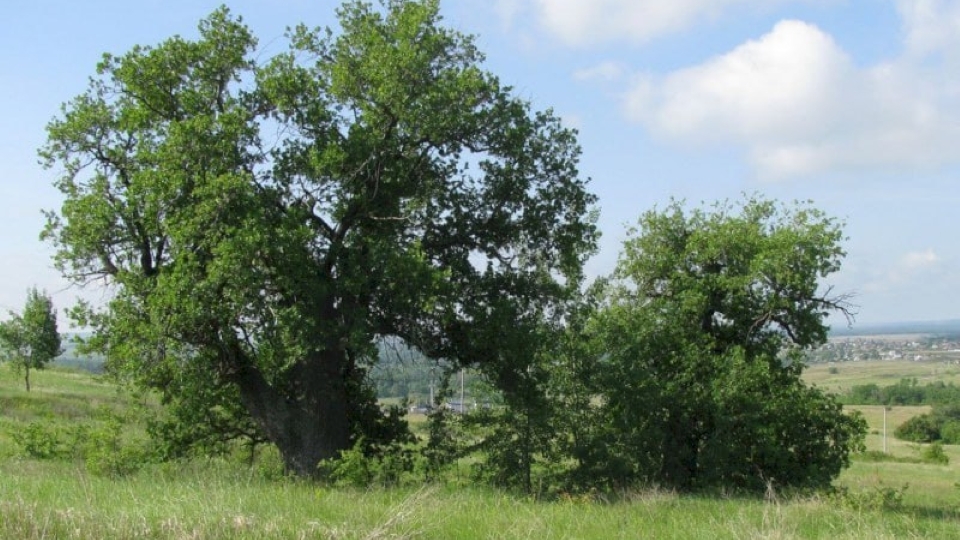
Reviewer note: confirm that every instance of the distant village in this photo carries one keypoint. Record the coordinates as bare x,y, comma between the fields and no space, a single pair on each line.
918,348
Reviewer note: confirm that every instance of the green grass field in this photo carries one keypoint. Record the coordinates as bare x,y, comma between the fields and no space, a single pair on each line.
216,500
224,498
879,372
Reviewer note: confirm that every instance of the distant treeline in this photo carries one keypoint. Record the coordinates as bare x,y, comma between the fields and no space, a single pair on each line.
400,373
905,392
942,424
71,357
92,365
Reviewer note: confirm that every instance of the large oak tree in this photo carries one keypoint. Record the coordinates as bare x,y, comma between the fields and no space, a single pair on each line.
261,223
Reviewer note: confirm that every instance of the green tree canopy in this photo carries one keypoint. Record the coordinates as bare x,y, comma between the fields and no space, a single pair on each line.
261,224
30,340
700,337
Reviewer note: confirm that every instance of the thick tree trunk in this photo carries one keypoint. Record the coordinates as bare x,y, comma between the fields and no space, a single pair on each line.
680,462
26,377
308,425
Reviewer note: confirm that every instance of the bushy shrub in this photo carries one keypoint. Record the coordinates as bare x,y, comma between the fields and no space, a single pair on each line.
105,452
357,467
934,454
442,447
950,432
267,463
41,440
876,499
942,424
100,445
922,429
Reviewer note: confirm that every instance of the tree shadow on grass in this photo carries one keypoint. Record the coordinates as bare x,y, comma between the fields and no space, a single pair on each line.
931,513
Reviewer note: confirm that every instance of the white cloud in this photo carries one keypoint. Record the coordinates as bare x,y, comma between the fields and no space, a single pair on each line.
930,26
579,22
756,89
918,260
909,271
508,10
605,71
587,22
799,105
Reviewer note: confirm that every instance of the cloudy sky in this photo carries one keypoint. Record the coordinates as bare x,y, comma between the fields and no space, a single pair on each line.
854,105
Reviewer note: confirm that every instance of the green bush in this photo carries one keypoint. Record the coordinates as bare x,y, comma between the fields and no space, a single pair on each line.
358,467
106,453
875,499
41,440
950,432
922,429
444,434
942,424
268,464
876,456
105,450
934,454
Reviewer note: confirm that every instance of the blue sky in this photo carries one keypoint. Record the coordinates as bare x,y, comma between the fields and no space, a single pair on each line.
854,105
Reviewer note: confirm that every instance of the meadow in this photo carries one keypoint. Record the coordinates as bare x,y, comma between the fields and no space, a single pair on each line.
895,495
840,377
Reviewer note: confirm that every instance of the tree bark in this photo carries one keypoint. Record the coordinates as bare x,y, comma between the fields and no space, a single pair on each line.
308,425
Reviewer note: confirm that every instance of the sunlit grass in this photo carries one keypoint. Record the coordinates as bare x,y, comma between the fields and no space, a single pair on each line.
879,372
215,499
225,498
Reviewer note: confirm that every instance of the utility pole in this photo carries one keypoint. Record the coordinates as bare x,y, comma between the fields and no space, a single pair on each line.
885,429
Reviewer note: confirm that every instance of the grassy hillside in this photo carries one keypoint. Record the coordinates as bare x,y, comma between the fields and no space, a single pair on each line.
226,498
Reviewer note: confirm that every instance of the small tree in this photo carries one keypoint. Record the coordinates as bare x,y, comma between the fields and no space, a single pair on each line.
30,340
702,336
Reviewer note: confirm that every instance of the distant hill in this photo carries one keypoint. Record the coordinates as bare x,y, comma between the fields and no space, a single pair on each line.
947,327
70,358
